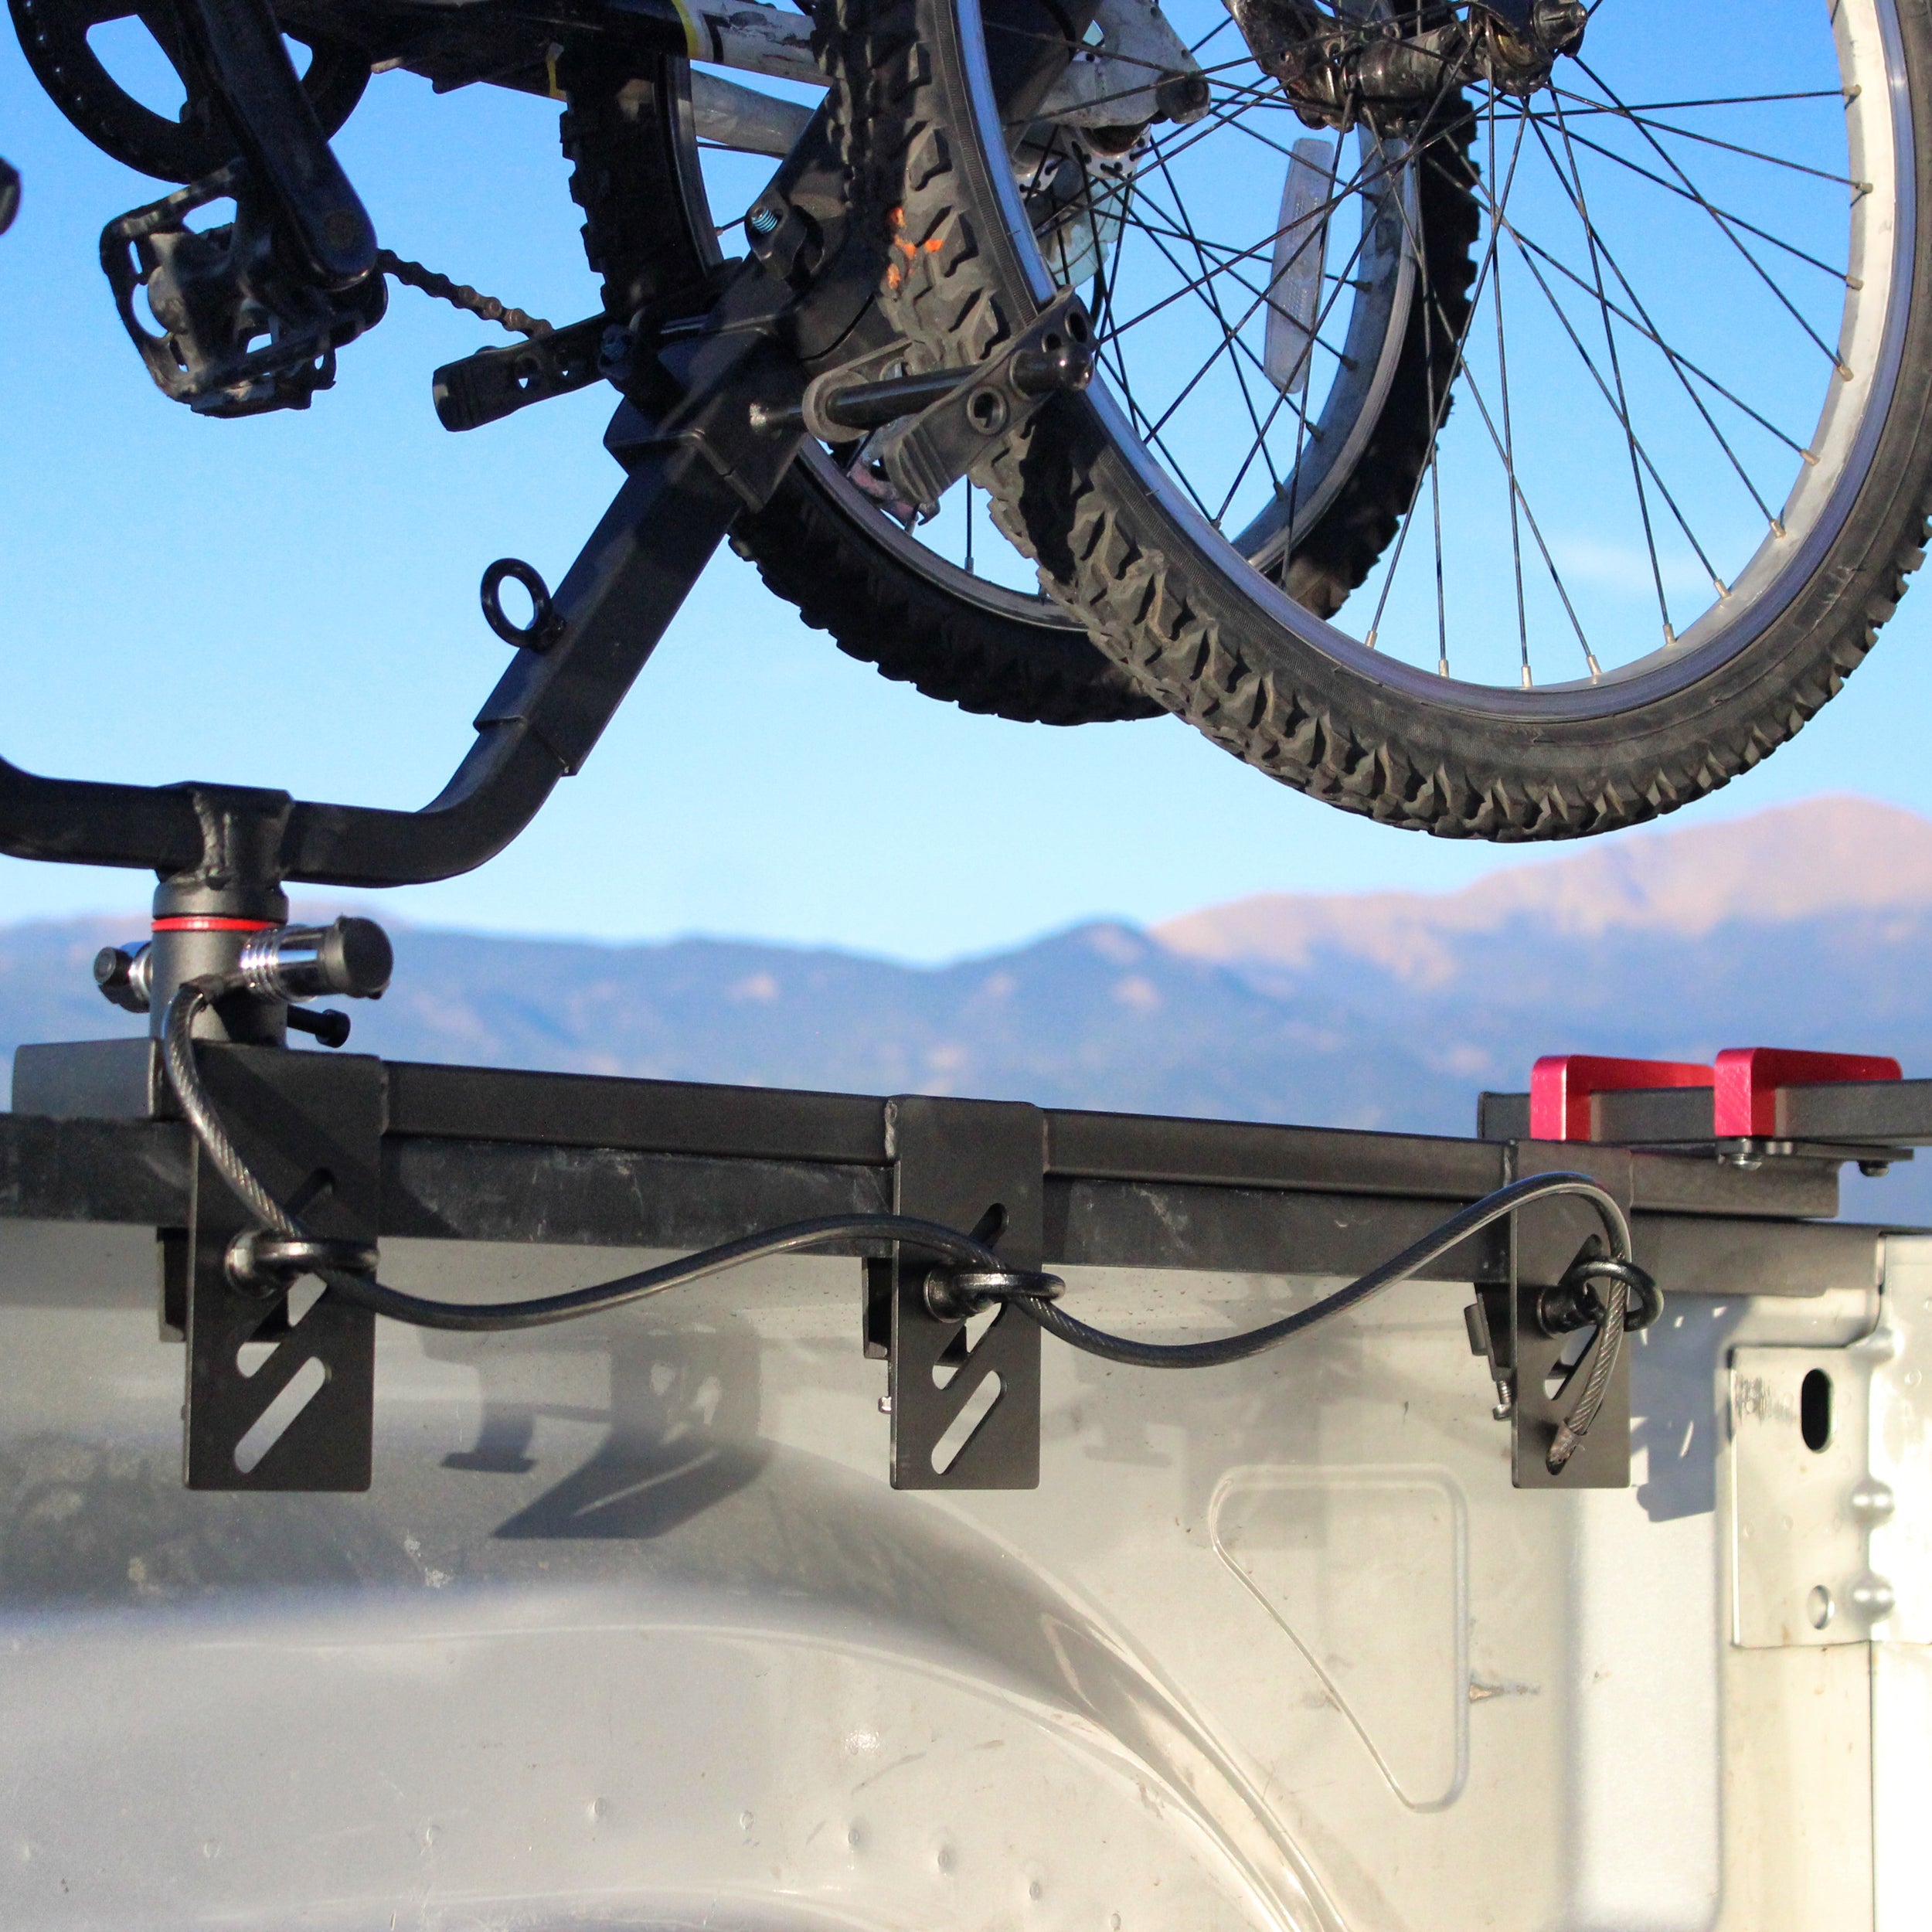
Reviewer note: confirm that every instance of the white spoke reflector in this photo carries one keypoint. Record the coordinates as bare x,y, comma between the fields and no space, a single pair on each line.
1300,246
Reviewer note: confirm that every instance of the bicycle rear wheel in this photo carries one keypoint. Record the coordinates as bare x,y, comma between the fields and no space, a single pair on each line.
644,181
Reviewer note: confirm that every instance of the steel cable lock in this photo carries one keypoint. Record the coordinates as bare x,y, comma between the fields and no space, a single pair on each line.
969,1278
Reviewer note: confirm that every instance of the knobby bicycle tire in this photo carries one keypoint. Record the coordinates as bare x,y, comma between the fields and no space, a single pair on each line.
812,549
1164,597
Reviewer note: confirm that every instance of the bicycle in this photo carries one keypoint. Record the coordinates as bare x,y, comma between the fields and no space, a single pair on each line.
1370,454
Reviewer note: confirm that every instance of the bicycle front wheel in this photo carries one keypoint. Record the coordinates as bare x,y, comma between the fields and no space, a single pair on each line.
1673,465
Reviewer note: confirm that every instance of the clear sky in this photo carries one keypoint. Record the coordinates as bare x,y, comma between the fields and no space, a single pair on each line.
292,600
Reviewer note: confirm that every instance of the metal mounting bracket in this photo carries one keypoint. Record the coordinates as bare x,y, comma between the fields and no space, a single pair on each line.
965,1396
1544,1240
281,1388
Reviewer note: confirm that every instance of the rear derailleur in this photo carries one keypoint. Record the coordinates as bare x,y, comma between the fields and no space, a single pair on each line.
1339,68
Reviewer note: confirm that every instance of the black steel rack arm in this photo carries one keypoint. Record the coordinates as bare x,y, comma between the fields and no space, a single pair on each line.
87,821
537,727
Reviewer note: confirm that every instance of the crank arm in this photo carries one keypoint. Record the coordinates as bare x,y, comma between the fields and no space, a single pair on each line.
238,46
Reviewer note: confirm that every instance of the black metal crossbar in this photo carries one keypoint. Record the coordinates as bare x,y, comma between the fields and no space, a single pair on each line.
491,1154
467,1153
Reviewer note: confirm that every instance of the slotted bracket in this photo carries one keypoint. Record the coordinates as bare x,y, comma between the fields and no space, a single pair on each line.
311,1125
974,1165
1544,1238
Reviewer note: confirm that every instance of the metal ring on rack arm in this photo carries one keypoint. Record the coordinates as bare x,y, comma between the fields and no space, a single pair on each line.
536,635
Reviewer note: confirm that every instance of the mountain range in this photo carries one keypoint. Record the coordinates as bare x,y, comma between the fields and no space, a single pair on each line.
1807,925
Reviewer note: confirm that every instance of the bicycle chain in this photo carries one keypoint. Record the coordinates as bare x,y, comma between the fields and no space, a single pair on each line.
460,295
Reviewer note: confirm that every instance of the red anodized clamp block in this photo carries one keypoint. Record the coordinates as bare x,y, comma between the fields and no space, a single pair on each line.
1748,1078
1561,1084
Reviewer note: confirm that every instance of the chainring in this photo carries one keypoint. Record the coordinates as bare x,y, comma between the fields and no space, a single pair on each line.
53,36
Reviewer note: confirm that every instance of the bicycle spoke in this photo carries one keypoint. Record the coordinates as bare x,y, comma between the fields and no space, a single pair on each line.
1231,343
1697,200
1434,467
1575,187
1220,27
1647,329
1720,100
1508,430
1529,517
1620,408
1009,32
1247,462
1107,273
1442,606
1696,196
1104,311
1232,336
1499,206
1459,338
1638,120
1197,285
1192,133
1227,268
1239,122
1304,427
1266,245
1146,429
1241,377
1776,528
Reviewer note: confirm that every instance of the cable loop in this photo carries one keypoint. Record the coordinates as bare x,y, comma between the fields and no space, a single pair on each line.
957,1294
536,635
1573,1302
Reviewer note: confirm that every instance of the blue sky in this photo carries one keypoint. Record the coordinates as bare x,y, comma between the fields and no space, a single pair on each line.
758,783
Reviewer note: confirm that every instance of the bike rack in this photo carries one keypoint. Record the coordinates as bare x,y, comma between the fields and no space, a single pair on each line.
1726,1182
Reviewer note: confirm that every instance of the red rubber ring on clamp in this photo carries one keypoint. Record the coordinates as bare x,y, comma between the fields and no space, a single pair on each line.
197,923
